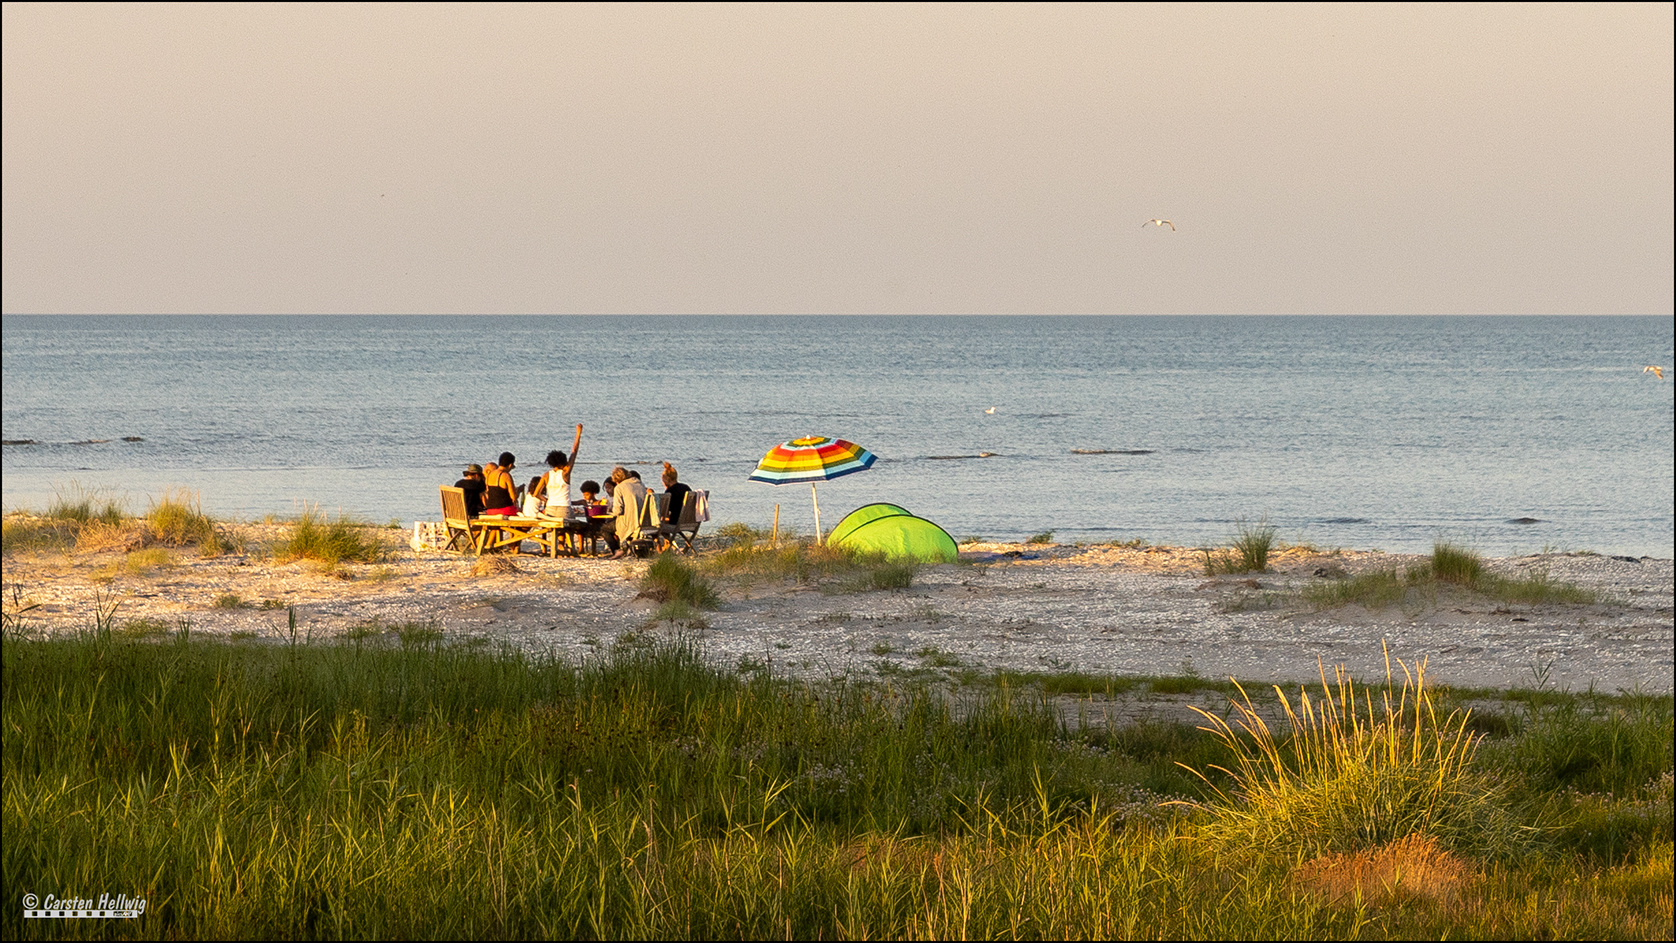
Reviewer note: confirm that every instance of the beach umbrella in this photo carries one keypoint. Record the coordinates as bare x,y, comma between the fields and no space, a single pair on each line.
812,458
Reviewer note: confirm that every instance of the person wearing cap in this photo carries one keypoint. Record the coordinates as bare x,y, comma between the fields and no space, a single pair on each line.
472,485
500,494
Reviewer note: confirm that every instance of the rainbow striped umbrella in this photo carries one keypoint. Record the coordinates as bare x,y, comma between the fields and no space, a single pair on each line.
812,458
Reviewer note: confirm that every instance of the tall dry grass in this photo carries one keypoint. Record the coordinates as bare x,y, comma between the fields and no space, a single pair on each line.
1355,769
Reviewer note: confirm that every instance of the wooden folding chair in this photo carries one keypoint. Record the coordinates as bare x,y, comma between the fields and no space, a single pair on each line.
464,532
641,537
681,534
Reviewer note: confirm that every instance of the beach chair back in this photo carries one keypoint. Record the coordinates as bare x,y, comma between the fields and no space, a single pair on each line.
455,521
680,535
640,537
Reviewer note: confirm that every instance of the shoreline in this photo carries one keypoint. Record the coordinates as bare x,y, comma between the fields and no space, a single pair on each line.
1104,610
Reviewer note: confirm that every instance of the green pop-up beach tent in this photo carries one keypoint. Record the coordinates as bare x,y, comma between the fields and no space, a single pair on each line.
892,531
862,515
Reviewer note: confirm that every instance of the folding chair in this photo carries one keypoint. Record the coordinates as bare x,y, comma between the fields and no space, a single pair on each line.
681,534
649,520
462,531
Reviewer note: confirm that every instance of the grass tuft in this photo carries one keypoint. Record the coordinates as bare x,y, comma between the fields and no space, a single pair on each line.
79,505
804,562
1451,563
332,543
177,520
669,580
888,575
1251,546
1356,770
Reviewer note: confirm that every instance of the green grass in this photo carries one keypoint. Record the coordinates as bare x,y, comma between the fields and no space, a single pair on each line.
1357,769
1251,545
426,789
1454,564
668,579
1045,537
177,520
886,575
79,505
73,510
1451,565
331,543
749,561
88,522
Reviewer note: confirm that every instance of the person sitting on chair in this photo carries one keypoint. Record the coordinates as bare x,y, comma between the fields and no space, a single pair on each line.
553,488
592,506
472,485
626,501
500,495
677,492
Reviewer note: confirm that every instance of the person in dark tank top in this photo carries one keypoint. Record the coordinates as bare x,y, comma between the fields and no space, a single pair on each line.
500,495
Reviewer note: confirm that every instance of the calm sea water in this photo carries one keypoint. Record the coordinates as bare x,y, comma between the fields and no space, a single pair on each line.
1365,432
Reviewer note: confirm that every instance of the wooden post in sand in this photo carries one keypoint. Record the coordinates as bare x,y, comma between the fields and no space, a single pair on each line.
775,539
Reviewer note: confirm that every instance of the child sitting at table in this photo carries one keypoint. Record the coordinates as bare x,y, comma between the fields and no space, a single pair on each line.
591,502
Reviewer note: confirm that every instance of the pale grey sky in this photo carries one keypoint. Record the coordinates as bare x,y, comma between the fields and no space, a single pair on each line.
838,159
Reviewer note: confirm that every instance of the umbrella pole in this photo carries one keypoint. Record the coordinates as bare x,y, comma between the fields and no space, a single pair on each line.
816,498
776,537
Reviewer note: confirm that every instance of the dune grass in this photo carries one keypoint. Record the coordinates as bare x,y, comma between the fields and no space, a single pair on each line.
1356,770
73,510
751,560
331,543
422,789
80,505
91,522
178,520
1251,545
669,579
1452,565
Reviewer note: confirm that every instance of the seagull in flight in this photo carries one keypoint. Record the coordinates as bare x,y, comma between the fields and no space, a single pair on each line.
1159,222
1655,371
990,411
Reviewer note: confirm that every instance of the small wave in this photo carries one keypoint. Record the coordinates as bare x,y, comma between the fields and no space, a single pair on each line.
1111,451
18,442
1345,520
1525,520
951,458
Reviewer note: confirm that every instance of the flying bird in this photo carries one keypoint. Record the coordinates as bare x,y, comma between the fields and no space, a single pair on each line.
990,411
1655,371
1159,222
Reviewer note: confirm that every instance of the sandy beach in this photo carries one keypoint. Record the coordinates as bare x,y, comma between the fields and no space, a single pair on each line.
1041,608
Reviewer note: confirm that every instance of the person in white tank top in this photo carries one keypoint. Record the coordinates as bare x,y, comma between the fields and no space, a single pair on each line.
554,489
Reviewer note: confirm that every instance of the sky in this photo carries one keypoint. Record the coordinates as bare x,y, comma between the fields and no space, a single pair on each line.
833,159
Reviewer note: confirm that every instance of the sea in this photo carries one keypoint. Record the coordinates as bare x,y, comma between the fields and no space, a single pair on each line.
1510,435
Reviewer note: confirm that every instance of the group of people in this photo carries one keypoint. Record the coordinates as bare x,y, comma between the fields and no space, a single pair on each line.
492,492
